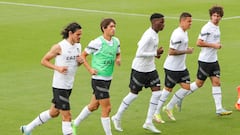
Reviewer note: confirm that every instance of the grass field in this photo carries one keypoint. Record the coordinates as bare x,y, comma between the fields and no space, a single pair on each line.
29,28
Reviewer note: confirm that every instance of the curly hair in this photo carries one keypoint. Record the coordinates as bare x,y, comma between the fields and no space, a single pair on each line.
216,9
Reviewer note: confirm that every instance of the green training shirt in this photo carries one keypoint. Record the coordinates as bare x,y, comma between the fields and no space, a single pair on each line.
103,61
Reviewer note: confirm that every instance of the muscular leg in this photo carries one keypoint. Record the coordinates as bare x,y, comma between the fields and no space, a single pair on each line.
42,118
179,95
86,111
66,122
106,108
216,92
156,93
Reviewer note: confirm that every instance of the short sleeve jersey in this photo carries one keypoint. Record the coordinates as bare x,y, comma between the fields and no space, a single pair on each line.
96,45
67,58
146,52
210,33
178,41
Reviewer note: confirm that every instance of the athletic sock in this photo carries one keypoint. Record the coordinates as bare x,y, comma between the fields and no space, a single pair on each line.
66,128
238,101
193,88
41,119
82,115
152,105
217,95
106,125
162,100
124,105
238,90
179,95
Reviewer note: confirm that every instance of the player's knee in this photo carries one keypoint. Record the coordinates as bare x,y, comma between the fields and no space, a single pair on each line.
66,117
93,107
54,114
187,87
216,83
199,83
106,111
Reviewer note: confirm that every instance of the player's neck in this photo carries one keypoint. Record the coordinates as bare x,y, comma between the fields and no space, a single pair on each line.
107,37
183,28
70,41
215,23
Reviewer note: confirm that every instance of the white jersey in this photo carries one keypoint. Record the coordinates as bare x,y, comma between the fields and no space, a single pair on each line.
94,46
210,33
67,58
146,52
178,41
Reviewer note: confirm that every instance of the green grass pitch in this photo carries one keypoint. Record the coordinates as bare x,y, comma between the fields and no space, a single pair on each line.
30,27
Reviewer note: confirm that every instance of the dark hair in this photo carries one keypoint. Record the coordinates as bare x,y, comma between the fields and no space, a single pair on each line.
216,9
105,22
156,15
73,27
184,15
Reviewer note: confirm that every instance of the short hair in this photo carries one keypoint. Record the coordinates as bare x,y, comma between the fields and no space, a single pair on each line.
156,15
216,9
184,15
105,22
73,27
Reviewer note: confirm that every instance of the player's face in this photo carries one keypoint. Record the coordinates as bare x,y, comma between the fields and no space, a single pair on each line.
215,18
186,23
158,24
110,30
76,36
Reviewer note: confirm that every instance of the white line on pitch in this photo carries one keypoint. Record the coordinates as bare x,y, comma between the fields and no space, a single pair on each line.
98,11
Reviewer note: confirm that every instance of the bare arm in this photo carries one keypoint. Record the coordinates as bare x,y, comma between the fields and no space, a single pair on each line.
52,53
202,43
87,66
180,52
118,59
80,60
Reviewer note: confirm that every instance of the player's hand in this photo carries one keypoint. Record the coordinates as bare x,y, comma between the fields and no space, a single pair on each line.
159,52
93,71
189,50
217,46
118,61
80,60
62,69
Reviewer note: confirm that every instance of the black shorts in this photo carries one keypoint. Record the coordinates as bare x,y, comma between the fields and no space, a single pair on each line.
174,77
207,69
61,98
138,80
101,88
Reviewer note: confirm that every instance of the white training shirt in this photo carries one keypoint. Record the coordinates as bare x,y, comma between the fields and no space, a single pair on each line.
67,58
94,46
210,33
178,41
146,52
